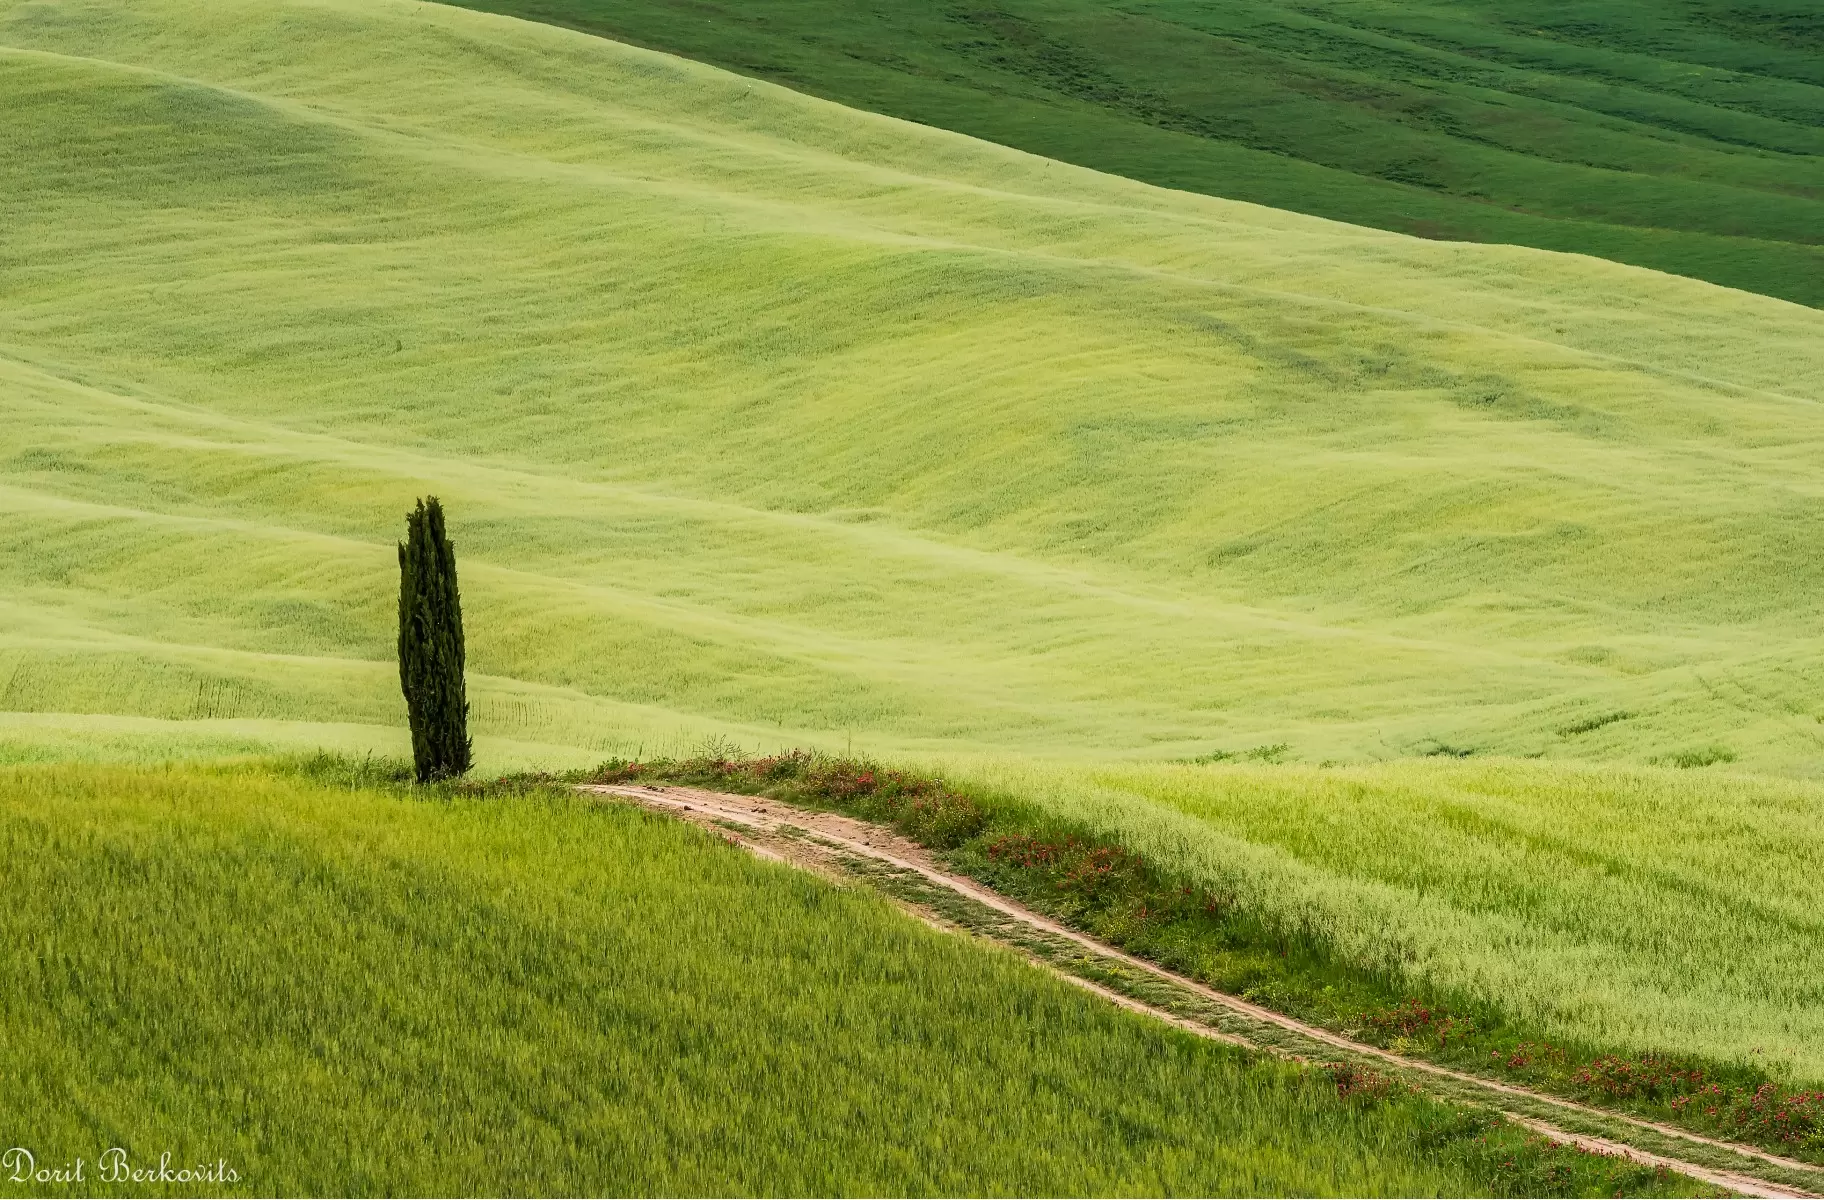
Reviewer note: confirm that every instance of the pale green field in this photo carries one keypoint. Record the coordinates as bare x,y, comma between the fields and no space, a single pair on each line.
1654,908
758,414
764,418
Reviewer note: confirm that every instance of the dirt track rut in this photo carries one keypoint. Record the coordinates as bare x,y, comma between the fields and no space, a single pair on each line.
761,816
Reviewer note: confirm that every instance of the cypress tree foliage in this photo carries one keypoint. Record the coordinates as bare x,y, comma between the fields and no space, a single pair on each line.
430,646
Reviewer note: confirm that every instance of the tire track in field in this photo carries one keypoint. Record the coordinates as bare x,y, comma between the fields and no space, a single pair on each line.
761,815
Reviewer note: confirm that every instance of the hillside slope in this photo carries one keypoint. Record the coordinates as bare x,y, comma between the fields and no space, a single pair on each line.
1681,136
336,991
761,416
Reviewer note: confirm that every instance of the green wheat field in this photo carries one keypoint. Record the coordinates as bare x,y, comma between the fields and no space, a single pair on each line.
373,995
1682,136
1461,603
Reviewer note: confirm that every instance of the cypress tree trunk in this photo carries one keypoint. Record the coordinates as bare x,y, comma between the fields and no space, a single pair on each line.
430,646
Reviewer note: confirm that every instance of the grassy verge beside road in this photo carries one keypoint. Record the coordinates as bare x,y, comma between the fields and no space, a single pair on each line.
1297,949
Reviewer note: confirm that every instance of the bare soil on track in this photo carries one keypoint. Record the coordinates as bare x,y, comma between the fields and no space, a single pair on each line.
828,843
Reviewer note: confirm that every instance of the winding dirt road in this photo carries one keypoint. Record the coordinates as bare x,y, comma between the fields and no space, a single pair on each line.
819,840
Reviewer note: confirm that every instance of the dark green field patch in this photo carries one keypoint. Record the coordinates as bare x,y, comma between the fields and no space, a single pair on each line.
1687,139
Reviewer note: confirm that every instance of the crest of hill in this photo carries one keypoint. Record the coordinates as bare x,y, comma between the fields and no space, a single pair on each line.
1683,137
763,415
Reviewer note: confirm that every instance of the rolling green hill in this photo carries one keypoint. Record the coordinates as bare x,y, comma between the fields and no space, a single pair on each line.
768,419
1684,136
336,991
760,416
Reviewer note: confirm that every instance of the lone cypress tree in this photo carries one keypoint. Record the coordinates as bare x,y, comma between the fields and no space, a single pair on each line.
430,646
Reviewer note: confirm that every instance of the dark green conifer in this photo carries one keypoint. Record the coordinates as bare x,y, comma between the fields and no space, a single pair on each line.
430,646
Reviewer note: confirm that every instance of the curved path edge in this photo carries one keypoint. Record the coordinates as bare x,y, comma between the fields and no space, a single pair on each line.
767,816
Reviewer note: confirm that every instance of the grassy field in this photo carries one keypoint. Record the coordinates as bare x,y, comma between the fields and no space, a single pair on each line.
338,990
1684,137
759,416
769,420
1629,910
1612,937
